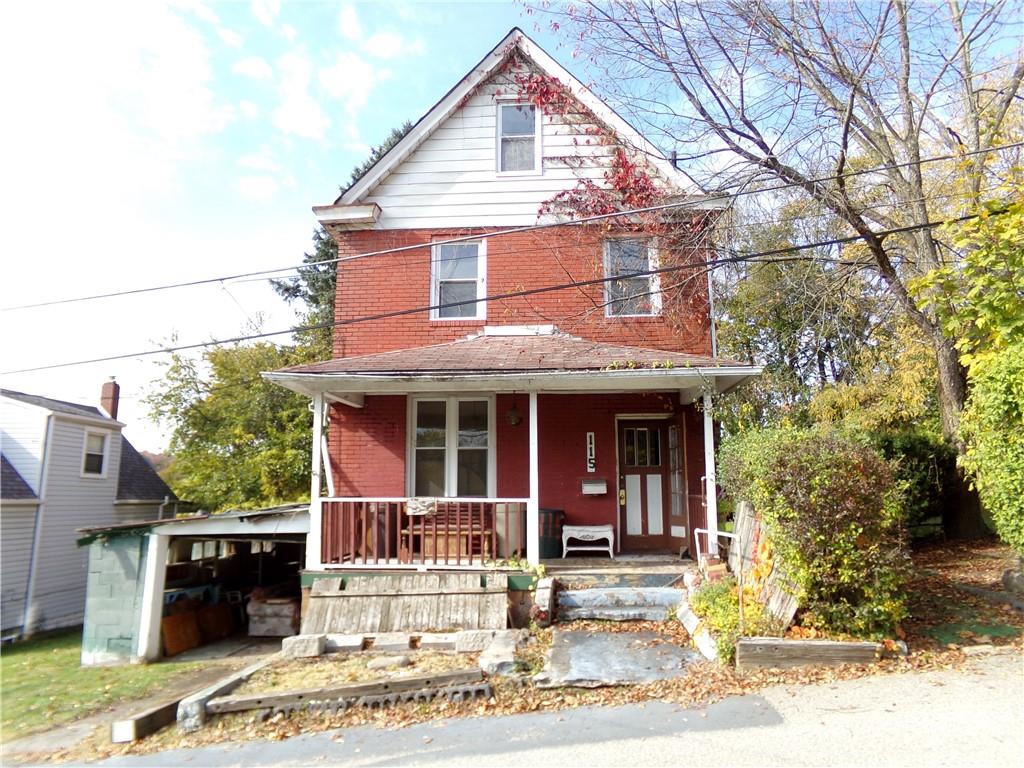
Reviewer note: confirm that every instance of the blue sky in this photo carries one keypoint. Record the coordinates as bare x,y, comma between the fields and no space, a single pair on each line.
161,142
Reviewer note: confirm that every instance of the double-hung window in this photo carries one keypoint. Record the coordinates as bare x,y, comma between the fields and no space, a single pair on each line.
459,281
628,292
452,447
94,458
518,138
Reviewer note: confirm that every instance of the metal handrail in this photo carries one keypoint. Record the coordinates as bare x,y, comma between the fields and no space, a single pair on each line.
707,532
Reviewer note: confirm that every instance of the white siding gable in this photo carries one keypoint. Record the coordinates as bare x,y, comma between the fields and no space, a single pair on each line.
452,180
22,436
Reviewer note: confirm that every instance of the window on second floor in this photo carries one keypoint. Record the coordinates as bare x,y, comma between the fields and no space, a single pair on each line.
518,141
458,276
630,293
94,454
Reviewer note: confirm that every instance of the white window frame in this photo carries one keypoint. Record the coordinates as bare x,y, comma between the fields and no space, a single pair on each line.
451,466
538,154
85,452
481,284
654,281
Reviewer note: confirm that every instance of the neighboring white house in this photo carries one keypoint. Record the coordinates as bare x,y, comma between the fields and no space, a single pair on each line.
64,466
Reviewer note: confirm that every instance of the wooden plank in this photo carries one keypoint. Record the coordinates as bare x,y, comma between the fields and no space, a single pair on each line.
766,652
144,723
351,691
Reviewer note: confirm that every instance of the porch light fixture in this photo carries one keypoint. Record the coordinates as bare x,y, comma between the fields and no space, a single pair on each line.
512,417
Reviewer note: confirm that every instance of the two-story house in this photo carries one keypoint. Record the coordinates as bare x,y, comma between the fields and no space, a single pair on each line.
507,343
64,466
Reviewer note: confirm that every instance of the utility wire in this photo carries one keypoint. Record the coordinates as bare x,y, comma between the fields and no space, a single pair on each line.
575,284
700,202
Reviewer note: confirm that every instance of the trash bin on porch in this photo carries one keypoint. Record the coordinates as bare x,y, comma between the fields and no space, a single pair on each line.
551,532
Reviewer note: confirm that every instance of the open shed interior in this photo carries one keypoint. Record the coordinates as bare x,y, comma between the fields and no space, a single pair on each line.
218,587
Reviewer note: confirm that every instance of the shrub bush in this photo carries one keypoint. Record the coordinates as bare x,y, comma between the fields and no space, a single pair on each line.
834,515
993,429
718,604
924,465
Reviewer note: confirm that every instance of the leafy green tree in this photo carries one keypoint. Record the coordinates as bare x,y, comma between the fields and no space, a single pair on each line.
993,429
238,441
314,288
981,303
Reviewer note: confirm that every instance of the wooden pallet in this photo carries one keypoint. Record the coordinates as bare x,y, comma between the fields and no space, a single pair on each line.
407,602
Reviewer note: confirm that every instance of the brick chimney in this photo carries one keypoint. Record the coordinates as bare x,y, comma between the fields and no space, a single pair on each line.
109,396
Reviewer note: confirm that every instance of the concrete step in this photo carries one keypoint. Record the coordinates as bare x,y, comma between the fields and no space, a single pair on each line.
618,604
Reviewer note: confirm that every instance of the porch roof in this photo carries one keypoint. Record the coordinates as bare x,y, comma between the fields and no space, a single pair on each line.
504,363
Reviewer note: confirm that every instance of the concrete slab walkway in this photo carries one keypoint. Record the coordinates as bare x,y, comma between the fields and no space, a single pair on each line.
594,659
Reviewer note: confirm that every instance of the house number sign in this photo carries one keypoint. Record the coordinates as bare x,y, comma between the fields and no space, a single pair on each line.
591,453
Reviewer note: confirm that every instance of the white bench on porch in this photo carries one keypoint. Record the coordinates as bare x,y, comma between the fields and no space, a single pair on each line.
589,534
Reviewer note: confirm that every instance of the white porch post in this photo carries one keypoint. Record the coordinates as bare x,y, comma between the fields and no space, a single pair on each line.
315,505
711,491
148,640
533,506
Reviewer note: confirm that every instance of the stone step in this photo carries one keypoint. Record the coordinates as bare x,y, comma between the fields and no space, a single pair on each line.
619,604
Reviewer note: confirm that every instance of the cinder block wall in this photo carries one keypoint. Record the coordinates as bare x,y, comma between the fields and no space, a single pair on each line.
113,602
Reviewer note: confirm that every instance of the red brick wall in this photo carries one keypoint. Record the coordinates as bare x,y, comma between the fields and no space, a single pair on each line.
390,282
368,448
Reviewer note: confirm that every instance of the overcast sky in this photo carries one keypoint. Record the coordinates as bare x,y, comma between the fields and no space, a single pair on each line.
147,143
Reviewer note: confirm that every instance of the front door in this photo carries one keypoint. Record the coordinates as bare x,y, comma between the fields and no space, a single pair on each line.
643,485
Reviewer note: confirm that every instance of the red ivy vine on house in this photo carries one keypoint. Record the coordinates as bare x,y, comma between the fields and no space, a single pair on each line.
629,184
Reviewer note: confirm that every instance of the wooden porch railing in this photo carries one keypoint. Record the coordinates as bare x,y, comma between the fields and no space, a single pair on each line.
382,532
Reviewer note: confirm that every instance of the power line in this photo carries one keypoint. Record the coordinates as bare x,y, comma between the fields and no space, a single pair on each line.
502,296
515,230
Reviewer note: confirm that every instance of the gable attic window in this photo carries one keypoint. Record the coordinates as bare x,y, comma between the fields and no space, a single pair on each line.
458,273
518,138
630,294
94,454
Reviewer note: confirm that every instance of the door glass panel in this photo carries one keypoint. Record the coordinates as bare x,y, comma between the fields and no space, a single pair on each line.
472,424
630,440
472,472
655,448
430,424
429,472
641,447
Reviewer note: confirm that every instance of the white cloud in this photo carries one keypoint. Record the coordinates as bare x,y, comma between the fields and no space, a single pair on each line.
229,37
387,45
200,9
348,23
289,33
253,67
298,113
261,160
349,79
257,188
249,110
266,11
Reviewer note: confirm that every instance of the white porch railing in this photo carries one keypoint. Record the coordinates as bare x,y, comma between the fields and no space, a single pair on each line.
382,532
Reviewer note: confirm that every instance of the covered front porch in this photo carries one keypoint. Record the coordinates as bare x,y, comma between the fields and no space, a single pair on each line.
469,454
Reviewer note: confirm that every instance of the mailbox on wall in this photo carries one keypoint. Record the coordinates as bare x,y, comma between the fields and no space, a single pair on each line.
594,486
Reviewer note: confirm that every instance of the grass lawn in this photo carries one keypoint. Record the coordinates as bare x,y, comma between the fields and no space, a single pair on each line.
42,684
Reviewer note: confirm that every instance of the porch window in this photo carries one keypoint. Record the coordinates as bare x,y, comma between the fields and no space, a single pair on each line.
94,454
452,447
518,147
458,274
629,293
